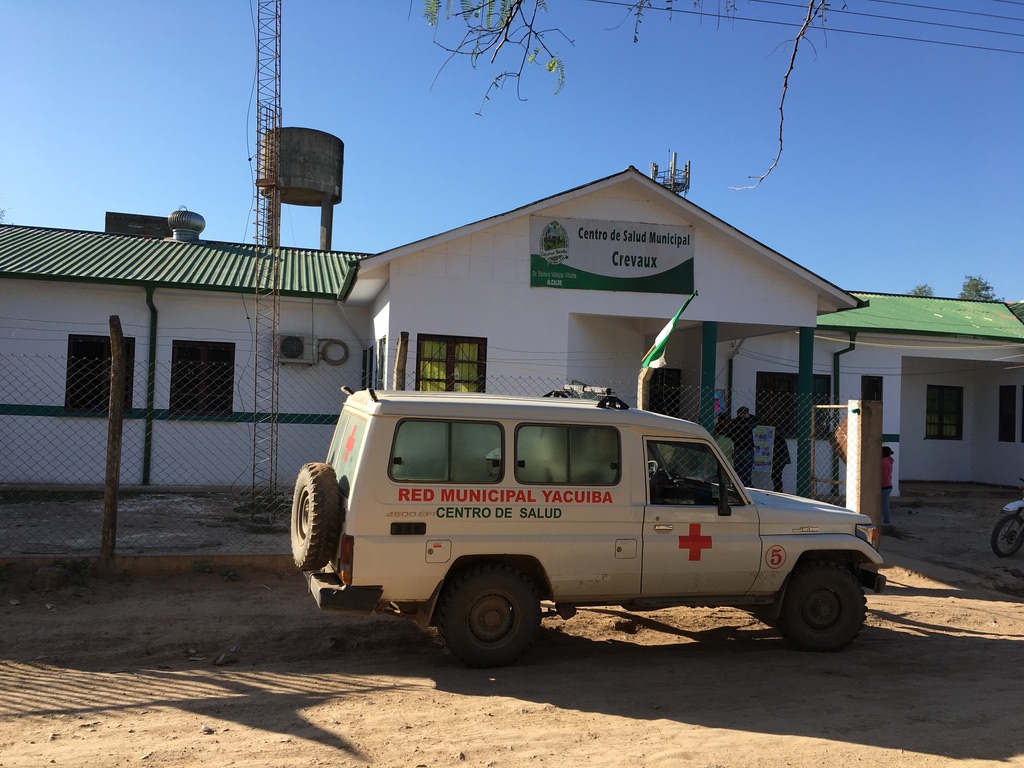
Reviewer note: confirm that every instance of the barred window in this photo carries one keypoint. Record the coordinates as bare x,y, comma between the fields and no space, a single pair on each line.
202,378
450,363
776,400
871,388
944,413
87,383
1007,413
380,363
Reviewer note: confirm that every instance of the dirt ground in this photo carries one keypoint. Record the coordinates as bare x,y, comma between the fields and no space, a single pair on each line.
239,667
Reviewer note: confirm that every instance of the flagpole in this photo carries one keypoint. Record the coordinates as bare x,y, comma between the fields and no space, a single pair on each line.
652,360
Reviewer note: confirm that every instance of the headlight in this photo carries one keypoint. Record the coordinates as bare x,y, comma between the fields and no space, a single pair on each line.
870,534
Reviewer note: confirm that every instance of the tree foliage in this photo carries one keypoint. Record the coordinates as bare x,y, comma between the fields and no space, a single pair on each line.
493,24
978,288
921,290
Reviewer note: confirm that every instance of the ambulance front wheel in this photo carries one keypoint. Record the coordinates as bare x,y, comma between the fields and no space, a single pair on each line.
489,616
823,608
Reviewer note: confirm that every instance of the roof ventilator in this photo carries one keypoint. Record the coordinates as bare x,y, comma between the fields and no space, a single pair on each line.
186,225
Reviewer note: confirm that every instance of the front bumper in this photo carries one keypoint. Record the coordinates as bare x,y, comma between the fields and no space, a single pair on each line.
332,595
870,579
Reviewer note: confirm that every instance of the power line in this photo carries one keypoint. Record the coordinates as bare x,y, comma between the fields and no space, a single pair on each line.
830,29
861,14
952,10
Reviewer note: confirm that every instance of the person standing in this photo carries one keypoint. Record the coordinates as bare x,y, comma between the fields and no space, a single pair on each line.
721,436
887,462
741,431
780,458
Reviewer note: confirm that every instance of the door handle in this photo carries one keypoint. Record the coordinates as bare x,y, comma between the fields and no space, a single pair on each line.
663,527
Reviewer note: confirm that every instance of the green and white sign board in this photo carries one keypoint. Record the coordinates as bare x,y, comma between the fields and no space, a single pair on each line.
593,255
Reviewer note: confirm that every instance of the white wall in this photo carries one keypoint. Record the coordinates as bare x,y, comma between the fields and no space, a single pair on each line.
479,285
37,318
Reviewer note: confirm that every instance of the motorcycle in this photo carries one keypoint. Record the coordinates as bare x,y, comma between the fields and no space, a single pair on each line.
1008,535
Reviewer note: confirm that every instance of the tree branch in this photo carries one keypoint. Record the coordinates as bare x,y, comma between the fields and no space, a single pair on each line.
815,9
515,23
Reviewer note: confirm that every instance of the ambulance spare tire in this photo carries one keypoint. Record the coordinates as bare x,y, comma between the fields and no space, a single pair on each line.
316,516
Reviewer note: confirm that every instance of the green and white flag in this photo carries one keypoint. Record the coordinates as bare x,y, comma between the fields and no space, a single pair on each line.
656,357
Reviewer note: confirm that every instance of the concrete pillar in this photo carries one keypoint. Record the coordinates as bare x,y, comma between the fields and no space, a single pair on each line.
864,458
326,221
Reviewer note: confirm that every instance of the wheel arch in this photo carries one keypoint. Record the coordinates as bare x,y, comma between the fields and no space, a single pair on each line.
851,559
528,565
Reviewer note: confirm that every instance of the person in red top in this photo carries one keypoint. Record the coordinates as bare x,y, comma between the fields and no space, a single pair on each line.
887,462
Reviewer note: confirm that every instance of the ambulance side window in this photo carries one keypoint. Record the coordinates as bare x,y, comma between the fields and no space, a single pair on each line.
681,472
447,451
577,455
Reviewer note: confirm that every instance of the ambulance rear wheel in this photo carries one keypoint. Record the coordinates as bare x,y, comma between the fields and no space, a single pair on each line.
824,607
489,616
316,516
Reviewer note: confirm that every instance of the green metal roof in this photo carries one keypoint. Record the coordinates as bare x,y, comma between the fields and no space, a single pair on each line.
888,313
33,253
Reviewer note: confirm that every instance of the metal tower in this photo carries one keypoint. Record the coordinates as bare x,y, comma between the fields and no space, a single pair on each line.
267,273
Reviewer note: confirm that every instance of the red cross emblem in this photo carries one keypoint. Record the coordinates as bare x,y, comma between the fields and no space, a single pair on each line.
695,542
350,444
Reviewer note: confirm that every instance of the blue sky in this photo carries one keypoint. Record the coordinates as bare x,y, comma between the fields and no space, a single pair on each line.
903,162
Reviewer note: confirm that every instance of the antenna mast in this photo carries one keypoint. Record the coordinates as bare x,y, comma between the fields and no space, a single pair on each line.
678,181
268,257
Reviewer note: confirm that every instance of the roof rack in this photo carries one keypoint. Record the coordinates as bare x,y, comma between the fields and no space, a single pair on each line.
580,391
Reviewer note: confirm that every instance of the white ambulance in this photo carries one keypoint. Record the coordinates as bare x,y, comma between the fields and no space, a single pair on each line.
479,514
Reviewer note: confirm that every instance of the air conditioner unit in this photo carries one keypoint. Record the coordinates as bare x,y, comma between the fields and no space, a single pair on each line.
296,348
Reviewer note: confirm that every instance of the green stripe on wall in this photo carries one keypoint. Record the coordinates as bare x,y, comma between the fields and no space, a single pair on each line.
163,415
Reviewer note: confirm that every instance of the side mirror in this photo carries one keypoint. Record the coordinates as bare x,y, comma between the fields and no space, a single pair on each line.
724,510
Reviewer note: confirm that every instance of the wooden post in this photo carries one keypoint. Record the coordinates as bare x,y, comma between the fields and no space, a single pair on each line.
401,354
115,423
864,459
643,388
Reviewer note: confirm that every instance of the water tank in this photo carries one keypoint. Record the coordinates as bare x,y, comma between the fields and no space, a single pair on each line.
312,163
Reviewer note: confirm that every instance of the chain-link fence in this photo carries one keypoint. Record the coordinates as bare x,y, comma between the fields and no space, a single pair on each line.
186,472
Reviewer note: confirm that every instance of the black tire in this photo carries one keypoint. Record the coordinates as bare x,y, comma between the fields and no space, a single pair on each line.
1008,535
489,616
316,516
824,607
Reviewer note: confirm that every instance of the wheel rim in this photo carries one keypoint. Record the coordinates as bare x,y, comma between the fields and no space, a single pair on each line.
822,608
492,618
302,519
1011,533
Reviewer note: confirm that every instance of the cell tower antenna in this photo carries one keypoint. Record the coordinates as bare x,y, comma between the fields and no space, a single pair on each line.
675,179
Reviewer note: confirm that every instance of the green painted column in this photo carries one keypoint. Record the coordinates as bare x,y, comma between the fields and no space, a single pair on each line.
708,361
804,404
147,444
